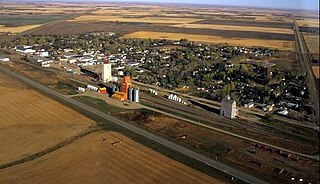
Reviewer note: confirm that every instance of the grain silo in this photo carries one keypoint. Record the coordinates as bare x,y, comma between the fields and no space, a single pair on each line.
130,94
135,95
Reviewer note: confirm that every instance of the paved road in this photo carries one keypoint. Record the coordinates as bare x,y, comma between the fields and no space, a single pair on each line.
196,156
304,56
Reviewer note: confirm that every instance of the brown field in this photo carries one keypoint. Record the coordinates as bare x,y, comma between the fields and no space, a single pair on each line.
312,42
236,28
76,27
273,19
53,8
316,71
121,12
58,10
162,20
142,12
283,25
282,45
31,122
308,22
92,160
17,29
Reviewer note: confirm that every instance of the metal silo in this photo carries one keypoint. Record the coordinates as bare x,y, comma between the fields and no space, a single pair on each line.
136,95
130,94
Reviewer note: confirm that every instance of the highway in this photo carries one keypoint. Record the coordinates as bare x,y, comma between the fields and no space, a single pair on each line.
196,156
305,61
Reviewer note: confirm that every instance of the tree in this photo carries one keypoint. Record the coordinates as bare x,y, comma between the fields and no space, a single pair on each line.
133,72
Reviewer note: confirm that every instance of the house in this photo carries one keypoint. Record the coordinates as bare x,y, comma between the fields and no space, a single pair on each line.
45,65
44,54
25,49
4,59
228,108
249,105
133,64
267,108
71,61
283,112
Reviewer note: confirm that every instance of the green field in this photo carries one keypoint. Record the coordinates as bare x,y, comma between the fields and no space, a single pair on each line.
99,104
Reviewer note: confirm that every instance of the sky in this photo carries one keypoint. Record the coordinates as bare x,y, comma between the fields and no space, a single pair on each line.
278,4
282,4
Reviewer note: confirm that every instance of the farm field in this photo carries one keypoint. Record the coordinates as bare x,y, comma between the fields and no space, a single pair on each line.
12,20
96,160
48,8
312,42
236,28
31,122
17,29
230,21
162,20
283,45
247,27
316,71
308,22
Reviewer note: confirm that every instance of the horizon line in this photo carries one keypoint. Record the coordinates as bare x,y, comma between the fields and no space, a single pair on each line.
152,3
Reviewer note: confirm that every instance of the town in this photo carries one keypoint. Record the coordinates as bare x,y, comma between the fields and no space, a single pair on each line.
158,93
210,71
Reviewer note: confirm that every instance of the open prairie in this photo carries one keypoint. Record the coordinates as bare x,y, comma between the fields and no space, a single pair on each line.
31,122
96,160
284,45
